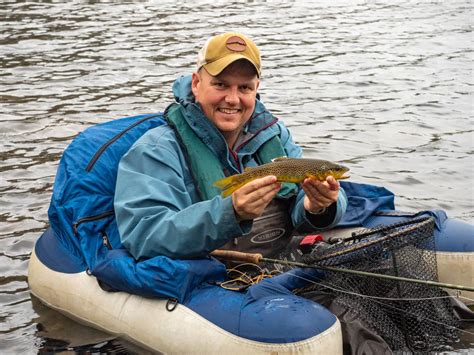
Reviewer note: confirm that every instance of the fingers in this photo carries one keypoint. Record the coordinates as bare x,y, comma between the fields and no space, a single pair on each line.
314,200
320,194
333,183
262,185
323,187
251,199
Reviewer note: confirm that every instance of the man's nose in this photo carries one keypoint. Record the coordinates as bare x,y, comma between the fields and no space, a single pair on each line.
232,96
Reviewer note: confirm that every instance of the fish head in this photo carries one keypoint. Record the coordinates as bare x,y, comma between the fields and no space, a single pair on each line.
321,169
338,171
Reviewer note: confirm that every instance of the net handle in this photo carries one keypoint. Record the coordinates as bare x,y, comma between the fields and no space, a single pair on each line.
237,256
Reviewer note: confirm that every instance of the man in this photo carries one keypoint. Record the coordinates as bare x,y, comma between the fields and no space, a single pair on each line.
165,201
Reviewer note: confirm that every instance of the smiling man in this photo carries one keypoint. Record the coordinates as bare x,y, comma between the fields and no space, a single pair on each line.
228,99
165,201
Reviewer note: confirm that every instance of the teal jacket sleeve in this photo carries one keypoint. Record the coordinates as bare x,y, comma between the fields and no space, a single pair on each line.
158,210
298,214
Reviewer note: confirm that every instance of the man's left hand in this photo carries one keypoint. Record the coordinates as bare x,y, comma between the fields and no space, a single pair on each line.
320,194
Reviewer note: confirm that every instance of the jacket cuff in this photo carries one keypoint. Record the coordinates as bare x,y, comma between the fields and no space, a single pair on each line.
324,218
243,227
332,216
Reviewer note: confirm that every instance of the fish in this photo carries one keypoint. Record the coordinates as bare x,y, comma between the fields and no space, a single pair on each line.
294,170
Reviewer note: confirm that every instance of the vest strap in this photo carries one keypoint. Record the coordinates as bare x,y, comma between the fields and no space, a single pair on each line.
204,165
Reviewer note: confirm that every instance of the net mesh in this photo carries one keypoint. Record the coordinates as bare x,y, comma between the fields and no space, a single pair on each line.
408,316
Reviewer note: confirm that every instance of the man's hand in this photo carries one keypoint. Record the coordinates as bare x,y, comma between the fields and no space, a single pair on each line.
320,194
251,199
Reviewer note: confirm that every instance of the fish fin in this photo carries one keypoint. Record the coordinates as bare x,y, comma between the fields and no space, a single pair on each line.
229,184
225,182
279,159
314,177
230,190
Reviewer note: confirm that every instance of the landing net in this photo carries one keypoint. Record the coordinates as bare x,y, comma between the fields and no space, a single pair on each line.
408,316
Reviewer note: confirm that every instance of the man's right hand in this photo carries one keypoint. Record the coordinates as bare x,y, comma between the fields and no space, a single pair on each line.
251,199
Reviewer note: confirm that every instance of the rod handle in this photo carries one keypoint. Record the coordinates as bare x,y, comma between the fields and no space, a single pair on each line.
237,256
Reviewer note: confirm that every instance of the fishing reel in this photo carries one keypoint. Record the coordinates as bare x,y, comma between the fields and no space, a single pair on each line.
303,245
314,244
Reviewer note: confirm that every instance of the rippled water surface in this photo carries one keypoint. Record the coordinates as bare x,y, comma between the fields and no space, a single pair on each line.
385,87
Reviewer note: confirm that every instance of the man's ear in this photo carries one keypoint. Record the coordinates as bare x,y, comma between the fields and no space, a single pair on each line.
195,80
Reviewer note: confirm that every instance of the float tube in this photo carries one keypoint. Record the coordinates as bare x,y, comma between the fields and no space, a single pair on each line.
80,268
266,319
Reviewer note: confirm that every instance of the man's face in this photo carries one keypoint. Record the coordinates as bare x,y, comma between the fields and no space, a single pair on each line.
228,99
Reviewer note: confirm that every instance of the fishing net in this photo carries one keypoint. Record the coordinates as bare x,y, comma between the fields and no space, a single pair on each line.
407,316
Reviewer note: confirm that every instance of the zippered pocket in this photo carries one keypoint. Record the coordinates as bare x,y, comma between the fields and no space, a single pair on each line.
98,217
102,149
97,233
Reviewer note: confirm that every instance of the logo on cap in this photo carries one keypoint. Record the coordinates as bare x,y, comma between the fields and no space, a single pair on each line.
236,44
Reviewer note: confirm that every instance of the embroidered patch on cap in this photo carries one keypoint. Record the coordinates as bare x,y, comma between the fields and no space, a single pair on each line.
236,44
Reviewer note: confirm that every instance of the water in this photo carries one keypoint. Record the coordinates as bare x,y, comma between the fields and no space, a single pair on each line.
385,87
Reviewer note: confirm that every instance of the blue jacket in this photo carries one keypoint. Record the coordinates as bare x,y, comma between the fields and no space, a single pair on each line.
157,206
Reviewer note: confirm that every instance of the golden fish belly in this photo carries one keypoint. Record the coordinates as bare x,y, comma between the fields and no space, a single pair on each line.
288,178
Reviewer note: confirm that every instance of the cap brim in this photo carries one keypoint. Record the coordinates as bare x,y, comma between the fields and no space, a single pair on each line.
217,66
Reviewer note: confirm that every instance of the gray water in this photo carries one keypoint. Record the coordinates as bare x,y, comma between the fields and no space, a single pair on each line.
382,86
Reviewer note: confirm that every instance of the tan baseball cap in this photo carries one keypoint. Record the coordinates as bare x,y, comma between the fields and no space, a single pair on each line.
221,50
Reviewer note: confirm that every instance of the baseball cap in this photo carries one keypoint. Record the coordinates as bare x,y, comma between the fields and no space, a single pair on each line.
221,50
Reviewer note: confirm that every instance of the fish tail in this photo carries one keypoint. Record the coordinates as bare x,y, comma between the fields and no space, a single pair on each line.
229,184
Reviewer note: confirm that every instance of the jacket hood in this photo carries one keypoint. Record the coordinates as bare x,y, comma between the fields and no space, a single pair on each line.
182,89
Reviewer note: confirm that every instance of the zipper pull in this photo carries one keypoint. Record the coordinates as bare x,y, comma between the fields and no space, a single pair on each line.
105,241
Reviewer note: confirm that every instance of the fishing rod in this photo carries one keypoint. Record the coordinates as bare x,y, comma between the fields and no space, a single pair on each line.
257,258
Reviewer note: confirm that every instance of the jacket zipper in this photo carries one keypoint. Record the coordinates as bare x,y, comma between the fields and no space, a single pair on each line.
236,159
113,139
89,219
235,152
255,134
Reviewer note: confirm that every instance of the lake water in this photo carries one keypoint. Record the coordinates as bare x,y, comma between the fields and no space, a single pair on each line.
382,86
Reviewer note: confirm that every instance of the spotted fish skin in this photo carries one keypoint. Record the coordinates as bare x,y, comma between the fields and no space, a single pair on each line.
294,170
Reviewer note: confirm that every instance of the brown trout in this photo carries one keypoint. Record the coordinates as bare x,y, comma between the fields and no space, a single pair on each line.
286,170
